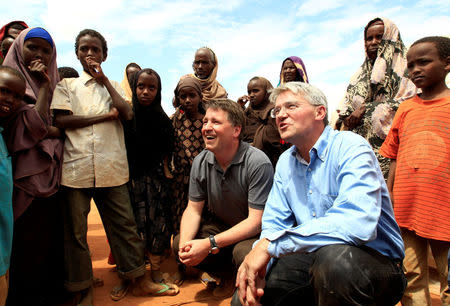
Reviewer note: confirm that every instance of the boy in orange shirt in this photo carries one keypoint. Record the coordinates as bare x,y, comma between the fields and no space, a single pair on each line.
418,145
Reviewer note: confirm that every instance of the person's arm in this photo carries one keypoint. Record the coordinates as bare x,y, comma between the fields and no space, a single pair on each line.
194,251
125,111
250,277
190,224
66,120
391,179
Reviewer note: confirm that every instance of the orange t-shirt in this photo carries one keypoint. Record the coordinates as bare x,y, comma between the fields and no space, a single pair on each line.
419,140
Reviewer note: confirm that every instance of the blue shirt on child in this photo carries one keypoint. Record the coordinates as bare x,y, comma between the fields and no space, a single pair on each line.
6,211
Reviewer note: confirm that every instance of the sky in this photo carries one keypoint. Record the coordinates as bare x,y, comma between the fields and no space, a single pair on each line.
250,38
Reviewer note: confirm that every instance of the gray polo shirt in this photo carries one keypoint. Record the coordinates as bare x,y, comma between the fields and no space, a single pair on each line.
245,183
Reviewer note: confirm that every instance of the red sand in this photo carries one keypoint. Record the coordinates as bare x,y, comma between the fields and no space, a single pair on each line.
190,292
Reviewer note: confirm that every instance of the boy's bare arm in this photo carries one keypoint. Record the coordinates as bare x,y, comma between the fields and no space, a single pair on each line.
391,179
125,111
65,120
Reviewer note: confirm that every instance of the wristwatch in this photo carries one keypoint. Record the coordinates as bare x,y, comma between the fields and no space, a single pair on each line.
214,248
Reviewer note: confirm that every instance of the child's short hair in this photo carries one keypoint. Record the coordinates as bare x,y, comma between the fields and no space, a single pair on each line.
92,33
441,43
67,72
13,71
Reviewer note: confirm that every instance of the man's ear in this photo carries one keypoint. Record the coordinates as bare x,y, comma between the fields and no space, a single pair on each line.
237,131
320,112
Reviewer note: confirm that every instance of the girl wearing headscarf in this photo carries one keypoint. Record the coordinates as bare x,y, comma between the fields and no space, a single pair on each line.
11,30
293,69
378,87
187,124
149,141
36,261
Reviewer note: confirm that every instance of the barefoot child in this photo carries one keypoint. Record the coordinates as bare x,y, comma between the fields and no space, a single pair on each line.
36,258
418,145
149,141
95,167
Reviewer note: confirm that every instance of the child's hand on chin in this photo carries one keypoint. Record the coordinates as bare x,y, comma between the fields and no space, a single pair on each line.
39,70
96,70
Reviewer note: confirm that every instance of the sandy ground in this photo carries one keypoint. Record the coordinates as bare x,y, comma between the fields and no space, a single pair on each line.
192,292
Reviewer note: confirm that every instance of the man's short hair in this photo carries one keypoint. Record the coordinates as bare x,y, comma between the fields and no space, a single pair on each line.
311,93
67,72
235,113
441,43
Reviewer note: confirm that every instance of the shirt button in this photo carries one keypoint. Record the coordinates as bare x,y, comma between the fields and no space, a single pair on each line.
309,169
310,191
314,214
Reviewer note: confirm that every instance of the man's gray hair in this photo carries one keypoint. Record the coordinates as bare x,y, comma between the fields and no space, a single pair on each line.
311,93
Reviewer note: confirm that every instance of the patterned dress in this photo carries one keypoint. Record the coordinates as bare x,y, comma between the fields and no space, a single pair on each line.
381,86
188,144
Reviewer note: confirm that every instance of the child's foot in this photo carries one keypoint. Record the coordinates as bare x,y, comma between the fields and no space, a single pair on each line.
177,278
120,291
144,286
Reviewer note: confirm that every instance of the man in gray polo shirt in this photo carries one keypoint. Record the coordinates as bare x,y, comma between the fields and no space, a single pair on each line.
229,185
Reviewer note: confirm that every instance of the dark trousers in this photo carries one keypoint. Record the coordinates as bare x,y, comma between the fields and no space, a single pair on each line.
36,273
114,206
334,275
228,258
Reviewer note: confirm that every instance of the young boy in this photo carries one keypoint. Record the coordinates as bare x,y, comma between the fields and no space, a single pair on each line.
95,166
418,145
12,90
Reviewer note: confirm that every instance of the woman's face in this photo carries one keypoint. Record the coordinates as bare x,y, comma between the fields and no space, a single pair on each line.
289,71
374,34
256,92
189,100
37,49
146,88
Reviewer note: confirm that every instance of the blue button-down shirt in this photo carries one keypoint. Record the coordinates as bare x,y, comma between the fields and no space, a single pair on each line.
6,211
340,197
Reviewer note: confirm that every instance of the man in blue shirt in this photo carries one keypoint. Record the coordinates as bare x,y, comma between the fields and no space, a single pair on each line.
328,225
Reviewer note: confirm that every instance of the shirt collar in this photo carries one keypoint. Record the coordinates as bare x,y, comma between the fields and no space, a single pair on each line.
238,157
85,77
321,145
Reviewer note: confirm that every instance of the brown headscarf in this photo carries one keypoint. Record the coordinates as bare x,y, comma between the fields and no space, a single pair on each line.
211,88
14,59
187,81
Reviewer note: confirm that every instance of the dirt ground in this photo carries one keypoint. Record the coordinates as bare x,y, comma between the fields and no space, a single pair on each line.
192,292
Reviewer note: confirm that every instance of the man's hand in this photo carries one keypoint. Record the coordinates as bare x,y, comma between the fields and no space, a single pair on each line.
194,251
355,117
96,71
251,273
39,70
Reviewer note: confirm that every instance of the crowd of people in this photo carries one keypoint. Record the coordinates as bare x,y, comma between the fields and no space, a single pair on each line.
263,194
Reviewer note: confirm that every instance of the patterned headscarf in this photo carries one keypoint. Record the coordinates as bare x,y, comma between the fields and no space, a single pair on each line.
300,68
211,88
381,85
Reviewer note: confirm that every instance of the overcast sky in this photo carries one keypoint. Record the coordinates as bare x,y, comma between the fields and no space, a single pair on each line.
250,38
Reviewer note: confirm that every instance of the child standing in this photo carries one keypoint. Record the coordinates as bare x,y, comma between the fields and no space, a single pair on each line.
12,90
187,124
418,145
36,258
149,141
95,167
